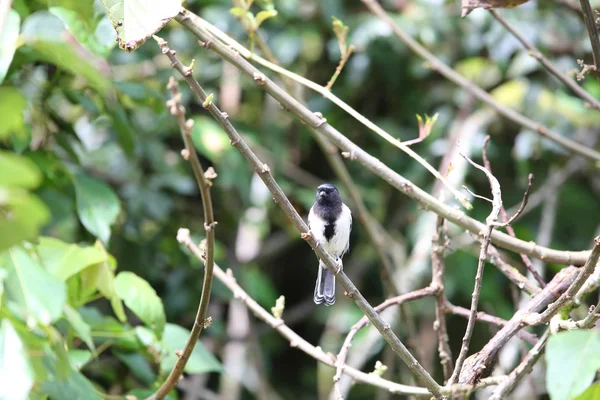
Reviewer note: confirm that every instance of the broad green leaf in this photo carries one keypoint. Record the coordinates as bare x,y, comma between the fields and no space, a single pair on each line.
97,205
18,171
141,298
16,374
52,43
138,365
8,41
572,358
105,328
64,260
592,393
66,382
511,94
137,20
23,216
237,12
82,329
201,360
264,15
31,288
79,18
78,358
12,104
101,277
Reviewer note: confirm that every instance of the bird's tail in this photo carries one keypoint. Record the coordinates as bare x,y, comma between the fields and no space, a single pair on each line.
325,287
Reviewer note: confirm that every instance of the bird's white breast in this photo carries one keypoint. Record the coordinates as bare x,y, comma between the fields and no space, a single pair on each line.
338,244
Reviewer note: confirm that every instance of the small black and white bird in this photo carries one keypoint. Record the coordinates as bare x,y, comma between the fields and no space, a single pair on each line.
330,222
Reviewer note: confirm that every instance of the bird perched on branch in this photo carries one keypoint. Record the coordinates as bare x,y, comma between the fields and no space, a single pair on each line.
330,222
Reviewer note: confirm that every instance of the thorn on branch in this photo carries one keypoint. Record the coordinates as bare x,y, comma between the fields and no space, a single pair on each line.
259,78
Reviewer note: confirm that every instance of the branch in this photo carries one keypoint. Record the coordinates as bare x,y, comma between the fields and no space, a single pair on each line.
491,222
567,297
204,182
588,322
197,26
450,308
296,340
535,53
590,24
437,282
437,65
263,171
511,272
480,364
524,368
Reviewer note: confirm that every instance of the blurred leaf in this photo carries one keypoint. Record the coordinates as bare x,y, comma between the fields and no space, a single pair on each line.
12,104
105,328
209,138
79,18
137,20
138,365
82,329
46,34
78,358
97,205
21,216
238,12
67,383
64,260
264,15
573,358
18,171
511,94
8,43
201,360
141,298
259,285
592,393
31,287
16,374
571,108
482,71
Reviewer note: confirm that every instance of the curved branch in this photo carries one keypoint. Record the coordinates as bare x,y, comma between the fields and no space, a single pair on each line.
280,198
197,26
203,181
437,65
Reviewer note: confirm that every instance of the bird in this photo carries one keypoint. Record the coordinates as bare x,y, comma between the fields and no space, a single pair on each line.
330,223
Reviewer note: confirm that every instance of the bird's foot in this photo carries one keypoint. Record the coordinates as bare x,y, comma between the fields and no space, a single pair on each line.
340,266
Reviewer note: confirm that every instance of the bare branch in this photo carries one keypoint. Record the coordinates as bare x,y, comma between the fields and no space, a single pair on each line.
280,198
524,368
535,53
437,65
198,27
204,183
590,24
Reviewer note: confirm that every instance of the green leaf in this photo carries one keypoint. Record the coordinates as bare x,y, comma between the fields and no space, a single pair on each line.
264,15
573,358
138,365
64,260
52,43
137,20
141,298
237,12
79,18
66,383
82,329
592,393
209,138
8,42
17,171
12,104
201,360
97,205
78,358
21,216
16,373
31,288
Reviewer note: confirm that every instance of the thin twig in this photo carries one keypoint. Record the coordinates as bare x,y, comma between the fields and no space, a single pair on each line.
437,282
588,322
524,368
590,24
567,297
198,27
280,198
505,220
535,53
204,182
511,272
491,221
437,65
450,308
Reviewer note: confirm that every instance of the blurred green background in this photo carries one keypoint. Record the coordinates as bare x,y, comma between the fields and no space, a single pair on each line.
92,186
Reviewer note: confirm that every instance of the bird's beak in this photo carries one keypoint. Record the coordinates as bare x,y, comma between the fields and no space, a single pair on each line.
321,193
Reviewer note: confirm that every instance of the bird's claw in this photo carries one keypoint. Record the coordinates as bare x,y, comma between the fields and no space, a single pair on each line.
340,266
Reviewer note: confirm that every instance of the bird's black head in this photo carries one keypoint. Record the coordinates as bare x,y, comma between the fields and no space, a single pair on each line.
327,194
